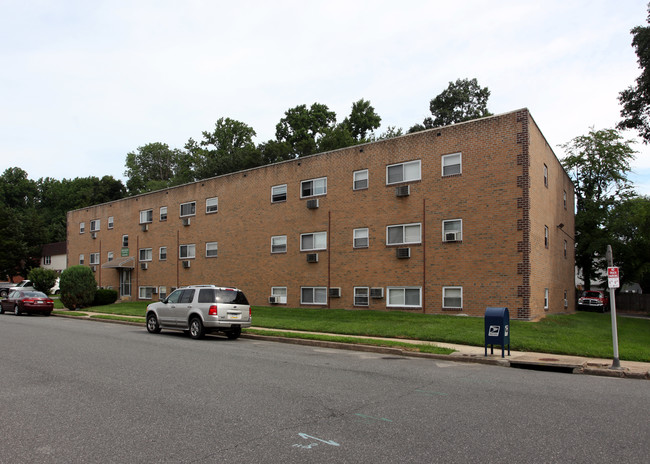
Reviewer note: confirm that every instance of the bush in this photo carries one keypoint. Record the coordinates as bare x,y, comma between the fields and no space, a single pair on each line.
42,279
78,287
105,296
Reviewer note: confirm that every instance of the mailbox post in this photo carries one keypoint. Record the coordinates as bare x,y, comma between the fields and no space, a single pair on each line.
497,329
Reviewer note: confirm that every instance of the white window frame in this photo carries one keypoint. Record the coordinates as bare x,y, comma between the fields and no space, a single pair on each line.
162,292
446,161
445,297
95,225
147,253
358,294
358,234
125,241
321,290
82,227
280,294
322,189
211,249
163,213
565,249
564,198
546,237
404,166
397,290
314,234
145,292
404,226
458,230
162,253
546,298
110,256
190,251
93,259
211,205
545,175
274,244
355,180
82,259
192,205
146,216
275,194
111,222
47,260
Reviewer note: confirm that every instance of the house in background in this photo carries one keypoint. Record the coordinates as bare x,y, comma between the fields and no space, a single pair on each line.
54,256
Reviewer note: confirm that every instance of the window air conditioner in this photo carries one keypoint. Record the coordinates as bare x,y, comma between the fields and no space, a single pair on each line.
403,253
144,266
451,236
403,191
186,264
312,257
186,221
313,203
145,227
377,292
273,300
335,292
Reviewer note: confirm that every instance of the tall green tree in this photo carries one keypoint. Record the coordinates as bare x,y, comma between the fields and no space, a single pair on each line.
363,120
636,98
302,128
598,164
152,166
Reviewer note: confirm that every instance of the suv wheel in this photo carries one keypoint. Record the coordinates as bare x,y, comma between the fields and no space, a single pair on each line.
196,328
152,324
4,292
233,334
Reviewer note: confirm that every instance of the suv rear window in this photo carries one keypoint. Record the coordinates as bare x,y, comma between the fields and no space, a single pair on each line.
214,295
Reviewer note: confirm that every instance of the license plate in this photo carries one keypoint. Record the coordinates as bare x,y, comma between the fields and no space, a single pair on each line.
234,316
39,302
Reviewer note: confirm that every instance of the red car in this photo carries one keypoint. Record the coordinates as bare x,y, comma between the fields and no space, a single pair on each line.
27,302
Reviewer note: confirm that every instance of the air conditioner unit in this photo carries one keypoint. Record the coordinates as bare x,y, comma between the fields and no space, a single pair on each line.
403,253
376,292
312,257
335,292
186,264
186,221
273,299
403,191
145,227
144,266
452,236
312,204
93,268
93,235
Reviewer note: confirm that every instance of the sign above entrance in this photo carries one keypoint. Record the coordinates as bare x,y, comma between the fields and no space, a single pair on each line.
125,252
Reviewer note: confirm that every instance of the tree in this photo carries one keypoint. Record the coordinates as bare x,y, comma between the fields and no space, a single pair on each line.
12,245
302,128
598,164
151,167
78,287
462,100
636,98
42,279
362,120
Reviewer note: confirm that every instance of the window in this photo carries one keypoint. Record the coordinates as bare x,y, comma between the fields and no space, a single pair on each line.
566,301
188,209
404,297
163,213
82,227
109,256
146,216
162,254
280,294
403,172
110,222
403,234
82,259
146,254
211,249
545,176
211,205
452,297
278,193
565,246
162,293
360,238
313,187
546,236
95,225
146,293
94,259
452,164
125,240
279,244
47,260
361,296
452,230
313,295
315,241
360,180
546,298
187,251
564,198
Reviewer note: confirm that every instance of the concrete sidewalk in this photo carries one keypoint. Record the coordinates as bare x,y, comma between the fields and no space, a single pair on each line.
463,353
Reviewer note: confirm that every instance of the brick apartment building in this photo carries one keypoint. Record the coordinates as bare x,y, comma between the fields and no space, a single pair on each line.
448,220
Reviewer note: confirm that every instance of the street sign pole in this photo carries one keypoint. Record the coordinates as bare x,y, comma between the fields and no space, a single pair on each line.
613,283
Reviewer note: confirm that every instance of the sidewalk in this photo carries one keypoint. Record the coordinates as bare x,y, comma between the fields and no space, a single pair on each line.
463,353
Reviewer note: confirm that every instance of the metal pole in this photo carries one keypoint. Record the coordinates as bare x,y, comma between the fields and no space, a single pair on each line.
616,364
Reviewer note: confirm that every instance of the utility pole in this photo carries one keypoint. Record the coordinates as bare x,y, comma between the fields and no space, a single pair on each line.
613,283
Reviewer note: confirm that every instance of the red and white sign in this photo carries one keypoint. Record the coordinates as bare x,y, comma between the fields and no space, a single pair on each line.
612,277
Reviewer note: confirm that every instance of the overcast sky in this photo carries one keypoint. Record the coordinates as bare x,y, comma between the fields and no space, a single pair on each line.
82,83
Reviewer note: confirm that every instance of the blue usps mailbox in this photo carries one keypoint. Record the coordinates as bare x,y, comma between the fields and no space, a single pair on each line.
497,329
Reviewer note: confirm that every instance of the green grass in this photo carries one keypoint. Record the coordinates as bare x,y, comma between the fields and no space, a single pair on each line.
119,318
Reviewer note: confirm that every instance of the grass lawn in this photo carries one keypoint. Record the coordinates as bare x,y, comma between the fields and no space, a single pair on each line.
580,334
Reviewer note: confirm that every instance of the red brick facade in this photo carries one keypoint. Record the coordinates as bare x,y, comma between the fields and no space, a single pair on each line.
509,196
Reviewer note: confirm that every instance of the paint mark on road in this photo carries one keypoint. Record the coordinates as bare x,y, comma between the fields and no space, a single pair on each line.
313,444
373,418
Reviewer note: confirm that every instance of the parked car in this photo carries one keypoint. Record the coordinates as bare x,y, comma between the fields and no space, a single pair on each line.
594,299
21,301
4,288
199,309
25,285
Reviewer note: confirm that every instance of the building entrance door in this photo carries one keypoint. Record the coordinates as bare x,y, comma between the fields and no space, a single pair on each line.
125,282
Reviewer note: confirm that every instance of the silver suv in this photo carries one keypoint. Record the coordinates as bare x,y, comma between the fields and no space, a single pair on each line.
198,309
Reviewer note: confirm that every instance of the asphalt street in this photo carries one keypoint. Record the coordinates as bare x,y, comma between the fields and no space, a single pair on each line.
81,391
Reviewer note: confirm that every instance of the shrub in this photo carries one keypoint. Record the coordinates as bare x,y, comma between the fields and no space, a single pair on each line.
42,279
78,287
105,296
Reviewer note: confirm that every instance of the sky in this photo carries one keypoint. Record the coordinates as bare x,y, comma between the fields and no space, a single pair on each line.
83,83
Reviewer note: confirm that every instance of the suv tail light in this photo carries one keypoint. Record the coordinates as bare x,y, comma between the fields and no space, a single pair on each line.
213,310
